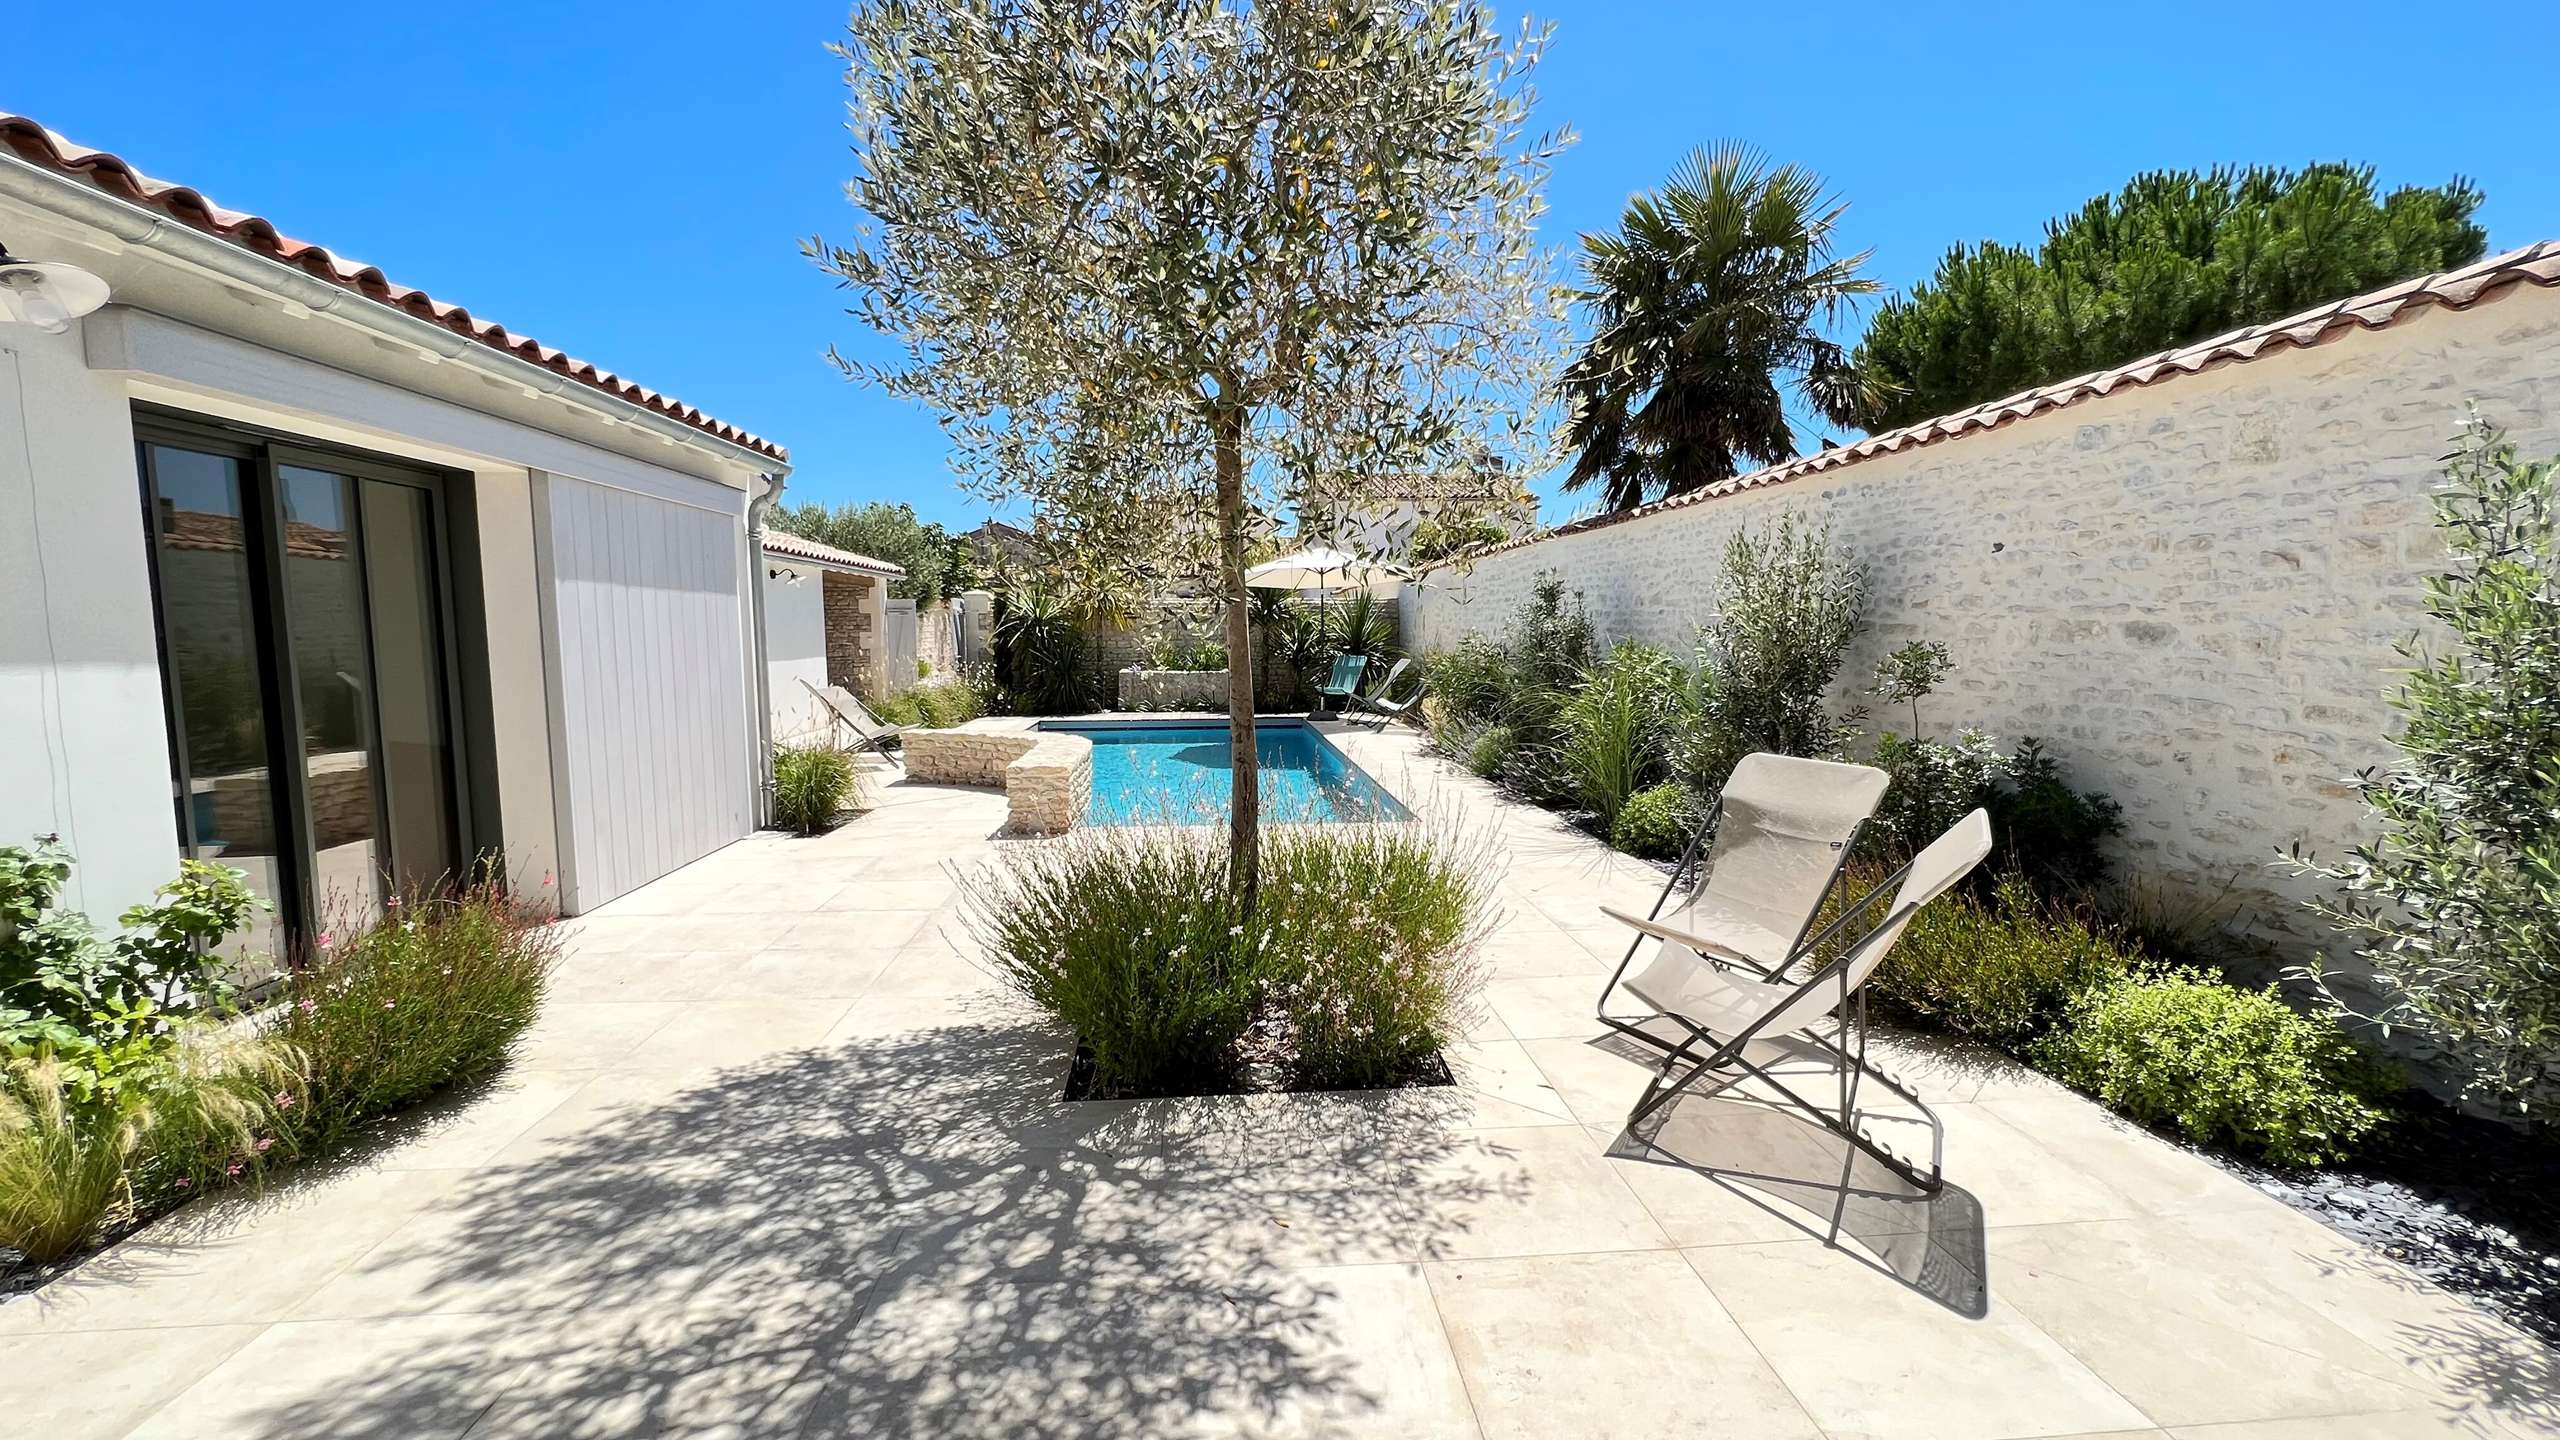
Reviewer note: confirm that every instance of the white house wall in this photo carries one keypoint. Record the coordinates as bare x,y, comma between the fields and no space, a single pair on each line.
795,639
653,766
2193,590
83,730
84,738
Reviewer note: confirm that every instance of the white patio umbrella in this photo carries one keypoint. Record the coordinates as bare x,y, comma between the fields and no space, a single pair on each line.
1320,568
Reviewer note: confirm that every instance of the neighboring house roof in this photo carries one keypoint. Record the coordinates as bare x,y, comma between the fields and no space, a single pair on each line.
796,547
2461,289
208,530
42,147
1484,486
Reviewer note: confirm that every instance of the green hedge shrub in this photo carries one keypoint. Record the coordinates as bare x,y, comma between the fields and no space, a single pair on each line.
2223,1066
812,785
1658,822
1490,753
2054,834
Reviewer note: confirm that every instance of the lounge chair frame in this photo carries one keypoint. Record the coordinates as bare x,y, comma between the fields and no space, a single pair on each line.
1849,1065
865,738
1377,703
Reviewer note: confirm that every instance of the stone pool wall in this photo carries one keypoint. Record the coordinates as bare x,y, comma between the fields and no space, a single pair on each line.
1047,778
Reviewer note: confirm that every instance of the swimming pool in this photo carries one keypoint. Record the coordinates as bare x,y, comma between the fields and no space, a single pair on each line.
1178,773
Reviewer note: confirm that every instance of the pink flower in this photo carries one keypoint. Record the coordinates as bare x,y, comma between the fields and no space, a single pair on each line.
310,1005
546,880
266,1143
231,1169
284,1099
184,1182
327,940
391,902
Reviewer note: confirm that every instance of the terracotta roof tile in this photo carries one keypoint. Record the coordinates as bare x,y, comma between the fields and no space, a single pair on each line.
2487,279
37,145
800,547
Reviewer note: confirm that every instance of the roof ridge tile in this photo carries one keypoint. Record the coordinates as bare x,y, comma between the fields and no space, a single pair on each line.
32,142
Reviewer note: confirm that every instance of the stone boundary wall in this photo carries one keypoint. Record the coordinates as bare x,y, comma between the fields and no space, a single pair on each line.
1147,690
1047,778
2192,590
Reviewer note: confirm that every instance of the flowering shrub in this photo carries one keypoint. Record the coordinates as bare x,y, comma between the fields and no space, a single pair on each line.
434,993
1353,968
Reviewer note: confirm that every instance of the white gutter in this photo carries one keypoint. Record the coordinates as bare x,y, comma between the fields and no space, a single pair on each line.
757,508
150,230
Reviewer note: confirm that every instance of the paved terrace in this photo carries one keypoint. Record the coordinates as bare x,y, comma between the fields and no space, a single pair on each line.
779,1160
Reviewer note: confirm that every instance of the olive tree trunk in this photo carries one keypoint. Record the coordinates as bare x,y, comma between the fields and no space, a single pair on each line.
1244,805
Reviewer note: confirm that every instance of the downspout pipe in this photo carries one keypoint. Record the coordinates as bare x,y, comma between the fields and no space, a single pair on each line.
757,509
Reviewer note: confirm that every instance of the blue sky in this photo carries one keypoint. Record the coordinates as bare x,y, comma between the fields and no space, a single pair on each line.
629,182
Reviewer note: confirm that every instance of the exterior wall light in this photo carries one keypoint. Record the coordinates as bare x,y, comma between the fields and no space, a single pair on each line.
46,294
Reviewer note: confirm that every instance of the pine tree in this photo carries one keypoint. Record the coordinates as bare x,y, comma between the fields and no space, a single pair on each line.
2174,258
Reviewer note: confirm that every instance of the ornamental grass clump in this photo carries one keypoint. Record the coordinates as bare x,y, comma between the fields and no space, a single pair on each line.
812,785
433,994
79,1159
1355,966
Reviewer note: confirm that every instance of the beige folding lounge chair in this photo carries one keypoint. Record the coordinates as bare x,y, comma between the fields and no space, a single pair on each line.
1772,849
849,711
1723,1009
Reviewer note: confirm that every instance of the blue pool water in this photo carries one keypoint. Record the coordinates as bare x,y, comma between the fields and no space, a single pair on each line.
1179,774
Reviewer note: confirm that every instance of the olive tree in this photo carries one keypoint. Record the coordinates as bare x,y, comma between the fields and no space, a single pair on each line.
1162,266
2452,905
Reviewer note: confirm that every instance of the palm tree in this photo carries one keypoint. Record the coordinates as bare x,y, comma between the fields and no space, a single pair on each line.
1707,293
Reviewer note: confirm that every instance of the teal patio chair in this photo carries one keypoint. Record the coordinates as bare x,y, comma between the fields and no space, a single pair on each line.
1343,685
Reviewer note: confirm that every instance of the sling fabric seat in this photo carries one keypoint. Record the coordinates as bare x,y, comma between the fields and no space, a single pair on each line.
1723,1010
1343,685
1774,844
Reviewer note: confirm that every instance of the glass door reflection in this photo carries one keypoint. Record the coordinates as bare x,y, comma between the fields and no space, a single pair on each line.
332,670
227,799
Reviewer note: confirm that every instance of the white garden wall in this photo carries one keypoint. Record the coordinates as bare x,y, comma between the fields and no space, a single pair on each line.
2192,591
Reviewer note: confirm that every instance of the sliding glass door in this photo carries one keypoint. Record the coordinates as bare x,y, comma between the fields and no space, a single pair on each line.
303,618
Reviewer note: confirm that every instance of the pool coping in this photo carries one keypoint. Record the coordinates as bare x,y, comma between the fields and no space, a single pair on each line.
1047,775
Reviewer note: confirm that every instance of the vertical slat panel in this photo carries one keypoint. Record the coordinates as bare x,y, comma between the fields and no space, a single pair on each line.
652,674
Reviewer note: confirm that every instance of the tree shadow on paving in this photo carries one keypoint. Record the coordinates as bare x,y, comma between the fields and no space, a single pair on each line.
1782,1161
902,1235
2497,1367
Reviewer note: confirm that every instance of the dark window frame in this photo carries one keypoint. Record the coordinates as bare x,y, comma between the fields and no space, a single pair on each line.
453,563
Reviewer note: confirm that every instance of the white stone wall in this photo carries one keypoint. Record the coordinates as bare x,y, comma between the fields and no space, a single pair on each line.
2192,591
1047,777
1144,690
